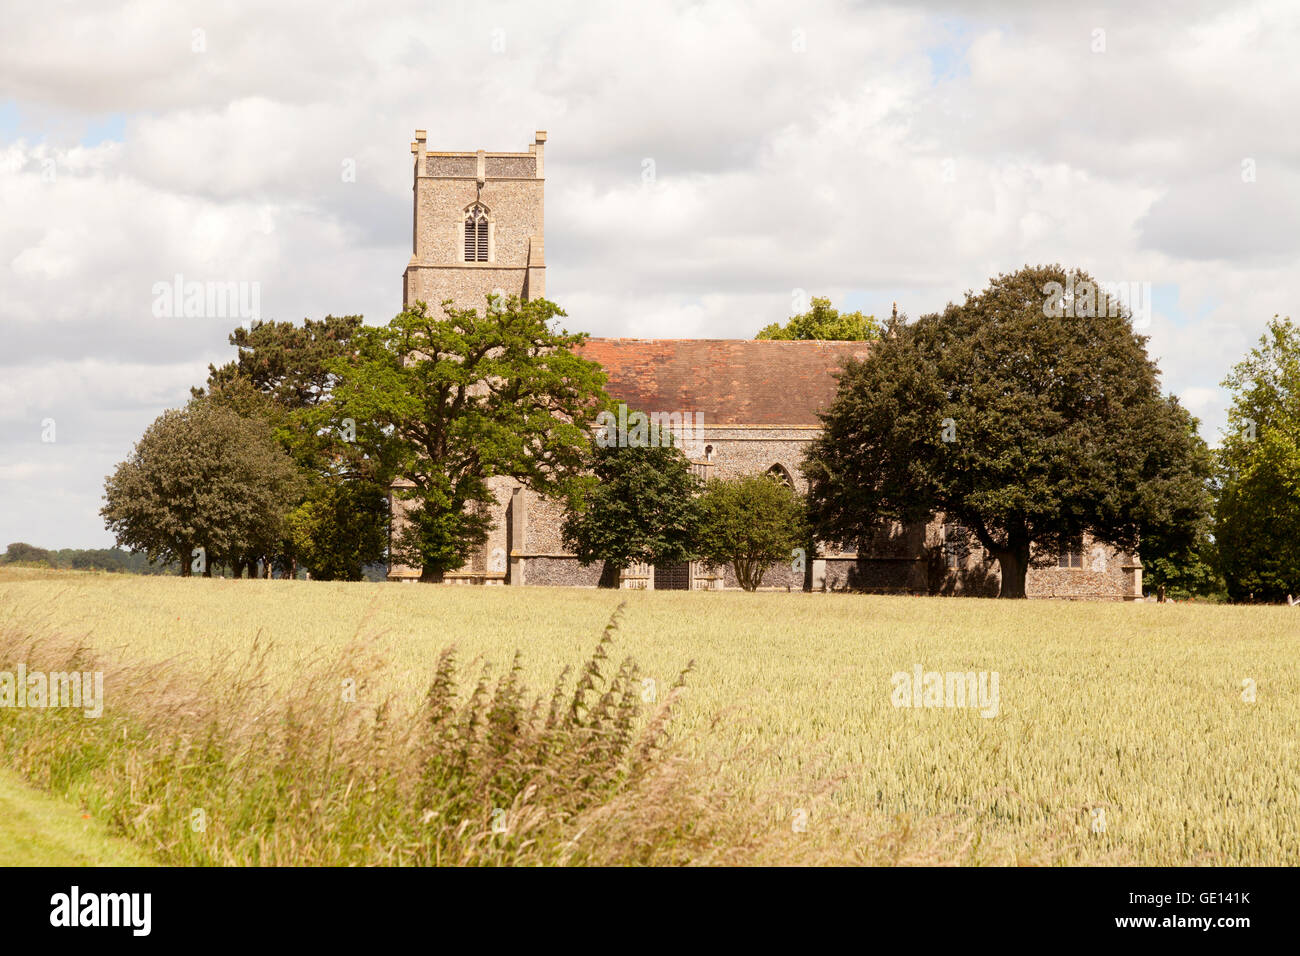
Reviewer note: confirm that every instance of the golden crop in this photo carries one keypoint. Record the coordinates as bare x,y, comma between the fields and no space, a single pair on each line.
1131,733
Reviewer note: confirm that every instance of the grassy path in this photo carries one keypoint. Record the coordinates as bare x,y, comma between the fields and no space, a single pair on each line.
40,830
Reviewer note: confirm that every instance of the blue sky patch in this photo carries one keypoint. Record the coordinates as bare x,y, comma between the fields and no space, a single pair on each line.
104,129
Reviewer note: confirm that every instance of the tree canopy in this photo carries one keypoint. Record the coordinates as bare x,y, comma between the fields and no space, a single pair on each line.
751,523
823,321
82,559
637,505
1030,424
20,552
290,364
283,374
202,477
1257,526
453,399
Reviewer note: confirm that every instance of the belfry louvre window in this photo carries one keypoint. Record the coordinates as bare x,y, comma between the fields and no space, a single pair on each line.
476,234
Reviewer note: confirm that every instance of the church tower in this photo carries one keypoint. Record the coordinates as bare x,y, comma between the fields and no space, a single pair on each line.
477,226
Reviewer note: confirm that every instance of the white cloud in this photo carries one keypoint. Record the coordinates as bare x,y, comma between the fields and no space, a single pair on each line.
906,152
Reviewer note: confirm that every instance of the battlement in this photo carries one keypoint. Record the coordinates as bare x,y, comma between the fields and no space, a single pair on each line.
478,164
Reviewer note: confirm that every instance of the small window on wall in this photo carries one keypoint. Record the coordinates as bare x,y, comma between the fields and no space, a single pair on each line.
476,234
1070,559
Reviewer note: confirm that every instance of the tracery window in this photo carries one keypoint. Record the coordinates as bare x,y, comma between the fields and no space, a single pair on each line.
476,233
779,472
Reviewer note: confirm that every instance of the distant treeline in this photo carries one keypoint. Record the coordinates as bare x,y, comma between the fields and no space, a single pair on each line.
85,559
127,562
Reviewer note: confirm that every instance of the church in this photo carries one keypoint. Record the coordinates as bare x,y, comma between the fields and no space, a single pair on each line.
749,405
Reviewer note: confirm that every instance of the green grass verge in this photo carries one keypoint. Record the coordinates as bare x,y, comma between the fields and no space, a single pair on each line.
39,830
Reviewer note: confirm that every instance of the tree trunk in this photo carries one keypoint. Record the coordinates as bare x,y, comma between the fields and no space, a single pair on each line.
237,568
430,575
1160,594
1014,564
749,574
185,563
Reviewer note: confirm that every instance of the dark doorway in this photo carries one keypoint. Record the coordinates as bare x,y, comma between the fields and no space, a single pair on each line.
673,577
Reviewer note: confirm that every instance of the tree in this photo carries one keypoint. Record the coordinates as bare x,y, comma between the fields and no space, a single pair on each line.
751,523
290,364
98,559
24,553
1180,570
1257,526
638,506
459,398
1178,556
284,374
1030,415
92,559
201,477
824,322
339,529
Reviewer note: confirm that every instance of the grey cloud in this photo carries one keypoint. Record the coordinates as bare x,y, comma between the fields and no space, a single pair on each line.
1223,217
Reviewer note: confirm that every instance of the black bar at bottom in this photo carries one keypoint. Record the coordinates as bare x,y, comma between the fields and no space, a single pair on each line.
336,906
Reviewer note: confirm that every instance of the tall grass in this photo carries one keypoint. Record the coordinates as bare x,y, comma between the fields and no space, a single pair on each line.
223,771
232,769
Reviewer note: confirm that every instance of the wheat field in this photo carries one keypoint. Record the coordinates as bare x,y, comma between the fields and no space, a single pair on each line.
1124,733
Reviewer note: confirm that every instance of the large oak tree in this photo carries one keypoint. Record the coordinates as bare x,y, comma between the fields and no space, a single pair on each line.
457,397
1030,416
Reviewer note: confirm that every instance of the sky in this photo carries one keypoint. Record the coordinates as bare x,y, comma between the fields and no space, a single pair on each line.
709,166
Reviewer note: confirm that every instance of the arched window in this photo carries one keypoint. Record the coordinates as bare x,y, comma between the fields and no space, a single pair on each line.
778,471
476,233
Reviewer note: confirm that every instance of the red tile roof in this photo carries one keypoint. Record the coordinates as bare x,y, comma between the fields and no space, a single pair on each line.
728,381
